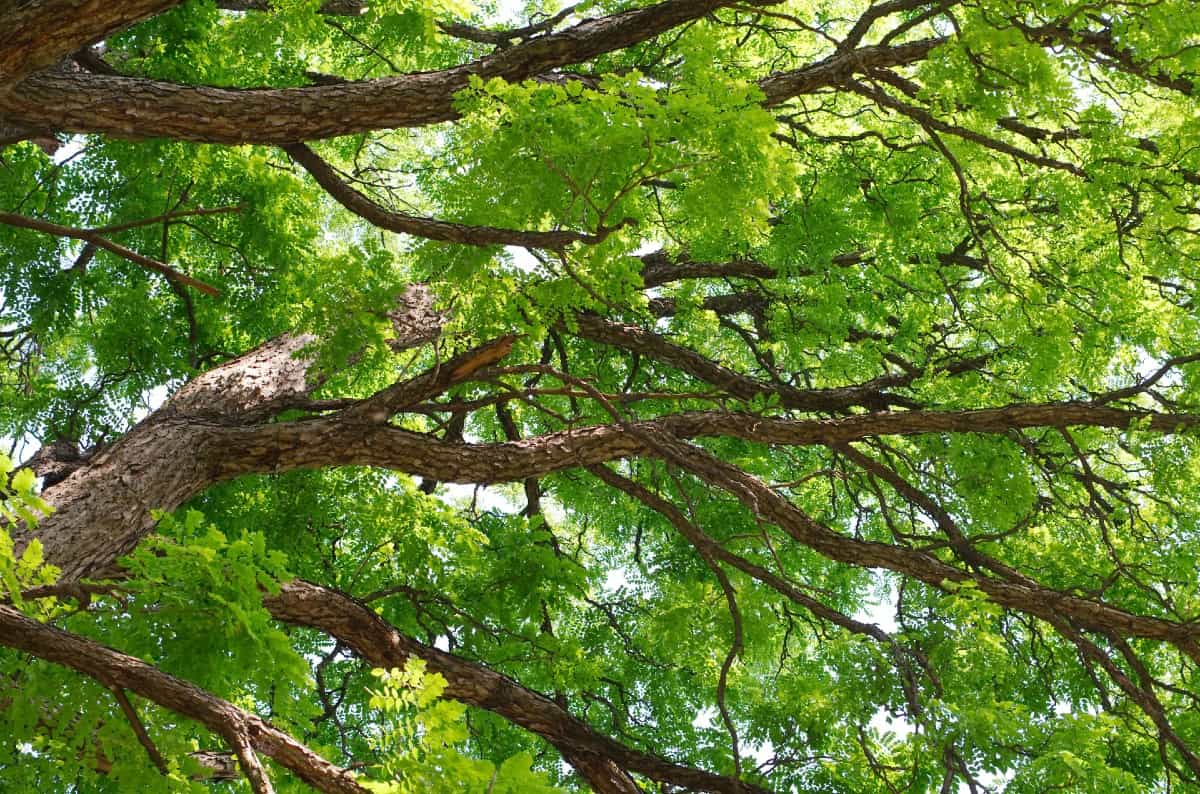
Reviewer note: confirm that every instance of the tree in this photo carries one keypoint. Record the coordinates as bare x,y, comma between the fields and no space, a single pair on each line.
695,395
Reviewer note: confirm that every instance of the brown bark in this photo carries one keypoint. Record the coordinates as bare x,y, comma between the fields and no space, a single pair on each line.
658,268
213,430
782,86
222,425
636,339
115,669
94,238
40,33
140,108
103,508
132,107
432,228
371,638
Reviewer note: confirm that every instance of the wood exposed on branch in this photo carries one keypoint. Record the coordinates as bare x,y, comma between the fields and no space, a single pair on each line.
383,404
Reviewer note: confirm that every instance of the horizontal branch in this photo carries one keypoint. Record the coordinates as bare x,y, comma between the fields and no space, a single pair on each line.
330,441
340,8
133,107
658,268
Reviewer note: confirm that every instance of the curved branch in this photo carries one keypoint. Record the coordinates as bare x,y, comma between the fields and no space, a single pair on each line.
636,339
134,107
782,86
358,627
93,238
118,670
432,228
1022,596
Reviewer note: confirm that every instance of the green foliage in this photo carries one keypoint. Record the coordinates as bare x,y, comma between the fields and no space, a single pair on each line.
20,506
1029,234
418,739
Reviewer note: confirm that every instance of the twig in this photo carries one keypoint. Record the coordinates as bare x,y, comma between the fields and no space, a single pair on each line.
89,236
139,729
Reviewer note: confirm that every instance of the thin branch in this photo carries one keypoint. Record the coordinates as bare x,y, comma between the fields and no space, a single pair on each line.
91,237
139,730
114,669
432,228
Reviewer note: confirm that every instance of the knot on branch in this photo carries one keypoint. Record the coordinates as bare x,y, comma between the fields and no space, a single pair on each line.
414,318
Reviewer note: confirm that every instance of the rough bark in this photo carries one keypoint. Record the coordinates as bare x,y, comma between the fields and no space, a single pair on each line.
831,71
140,108
371,638
40,33
214,430
103,508
115,669
224,424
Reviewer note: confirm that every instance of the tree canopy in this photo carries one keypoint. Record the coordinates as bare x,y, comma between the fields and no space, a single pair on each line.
730,396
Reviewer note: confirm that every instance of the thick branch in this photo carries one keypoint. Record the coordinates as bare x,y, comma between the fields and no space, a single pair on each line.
140,108
117,670
782,86
358,627
339,8
40,33
658,268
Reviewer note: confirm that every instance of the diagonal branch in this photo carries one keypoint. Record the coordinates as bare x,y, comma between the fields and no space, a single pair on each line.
40,33
432,228
95,239
358,627
114,669
636,339
834,70
139,729
1022,596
